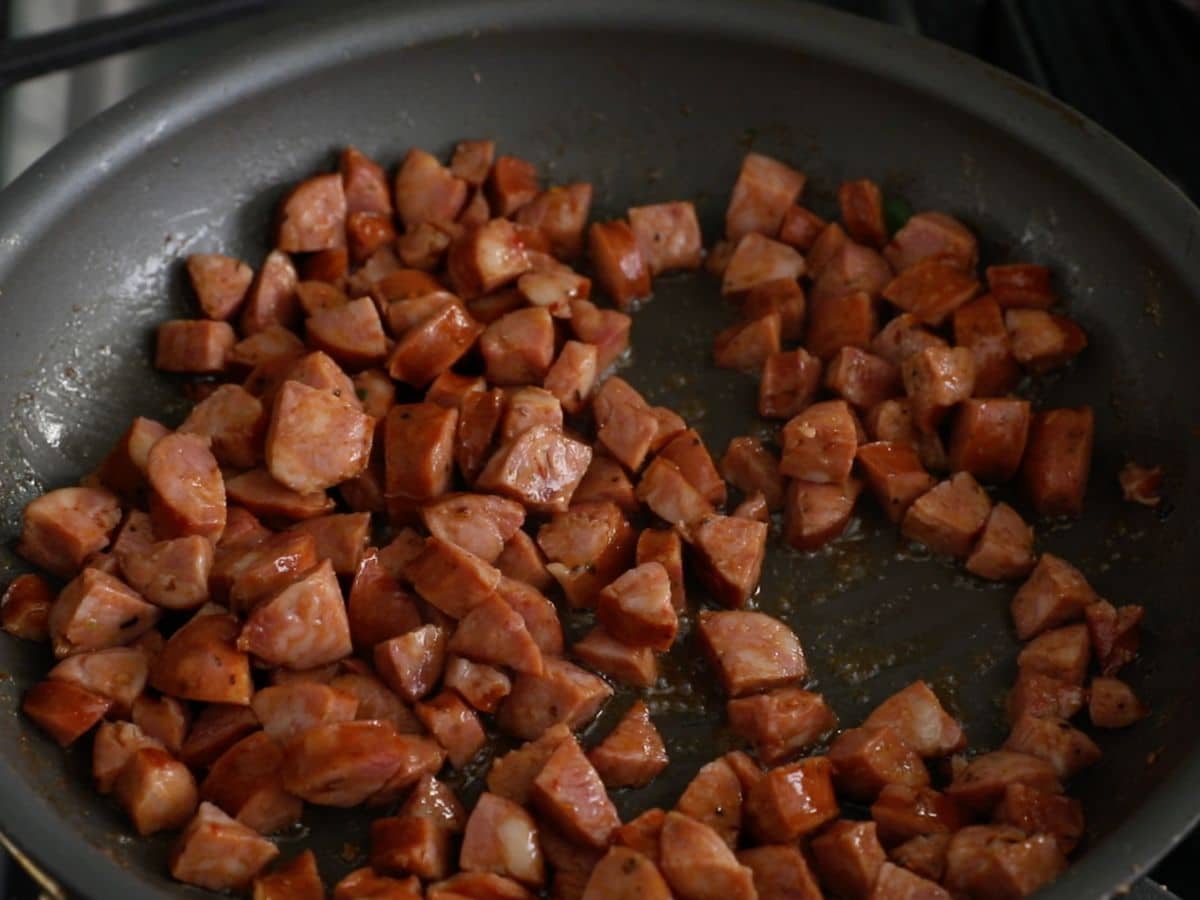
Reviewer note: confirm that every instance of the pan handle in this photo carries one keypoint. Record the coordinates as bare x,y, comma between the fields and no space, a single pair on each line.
49,889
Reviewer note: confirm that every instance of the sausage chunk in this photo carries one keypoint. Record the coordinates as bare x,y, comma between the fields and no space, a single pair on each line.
895,475
479,523
25,608
815,514
668,236
1055,593
781,722
62,528
118,673
1061,653
562,693
633,753
1000,861
848,858
861,204
636,608
1114,634
430,348
1113,704
193,346
819,444
918,718
764,191
698,865
792,801
1042,342
624,874
933,235
752,651
935,379
867,759
948,518
501,838
902,812
728,553
95,611
419,447
981,785
569,793
988,439
187,489
780,873
220,283
540,468
302,626
518,348
201,662
621,270
245,782
588,546
1067,749
1058,458
217,853
758,261
788,383
64,710
1004,550
623,663
931,290
979,326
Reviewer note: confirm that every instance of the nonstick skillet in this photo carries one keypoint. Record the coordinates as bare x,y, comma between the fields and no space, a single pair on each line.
650,101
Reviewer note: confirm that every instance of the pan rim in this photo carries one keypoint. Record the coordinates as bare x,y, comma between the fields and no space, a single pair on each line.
1148,202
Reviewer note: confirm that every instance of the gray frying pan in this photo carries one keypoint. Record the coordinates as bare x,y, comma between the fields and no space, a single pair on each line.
650,101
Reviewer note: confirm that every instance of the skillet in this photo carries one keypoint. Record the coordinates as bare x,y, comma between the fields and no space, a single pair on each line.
650,102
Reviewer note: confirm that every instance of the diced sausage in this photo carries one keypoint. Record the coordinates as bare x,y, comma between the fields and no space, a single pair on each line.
187,489
752,468
419,446
948,518
220,283
217,853
540,468
62,528
493,632
780,873
156,790
746,346
800,227
1044,695
1004,550
698,865
764,191
481,685
477,425
455,726
904,811
1060,652
850,269
562,693
572,376
406,313
918,718
245,574
714,797
636,608
402,845
979,326
643,833
998,861
828,243
1113,704
727,553
95,611
1058,458
526,407
1114,634
501,838
376,701
687,451
933,235
245,782
427,191
302,626
560,215
340,538
436,801
232,418
472,160
626,430
271,299
792,801
288,710
788,383
318,370
588,546
861,378
780,723
365,884
296,879
861,204
752,651
193,346
607,329
569,793
364,183
901,337
895,475
330,266
201,661
782,296
538,613
1036,812
519,347
450,389
820,443
624,874
511,184
758,260
1067,749
124,469
848,858
621,270
931,290
868,758
1055,593
936,379
352,334
450,578
118,673
114,745
622,662
668,236
633,753
312,216
1141,484
924,855
553,289
511,775
479,523
1021,285
1042,342
430,348
411,663
486,258
343,763
981,785
989,437
25,608
217,728
64,710
897,883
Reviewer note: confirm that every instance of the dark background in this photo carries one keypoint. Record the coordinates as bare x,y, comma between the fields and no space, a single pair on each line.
1133,66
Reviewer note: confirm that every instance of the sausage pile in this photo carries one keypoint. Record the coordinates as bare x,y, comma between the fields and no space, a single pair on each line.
340,577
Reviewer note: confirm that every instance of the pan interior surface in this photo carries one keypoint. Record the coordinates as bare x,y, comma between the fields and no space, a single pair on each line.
648,106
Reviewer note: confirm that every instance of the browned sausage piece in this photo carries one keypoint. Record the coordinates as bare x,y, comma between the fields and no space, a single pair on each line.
788,383
187,490
481,685
343,763
246,573
477,424
897,883
511,184
752,651
472,160
217,728
841,321
686,449
625,874
217,853
436,801
296,879
200,661
569,793
412,663
820,443
1055,593
302,626
918,718
62,528
1036,812
450,389
571,376
220,283
493,632
114,745
232,418
124,469
902,812
623,663
728,554
758,260
753,469
989,437
1000,861
861,378
850,269
540,468
194,346
312,216
553,289
861,204
560,214
1141,484
801,227
317,370
626,430
981,785
539,614
621,270
485,258
698,864
430,348
352,333
903,336
606,481
1061,653
979,326
632,754
781,723
365,884
157,791
1044,695
1042,342
364,183
518,348
427,191
511,775
1114,634
936,379
1113,704
419,448
64,710
522,560
1067,749
245,782
792,801
643,834
95,611
272,296
868,758
407,313
829,242
288,710
479,523
501,838
933,235
1021,285
931,290
329,266
455,726
25,608
414,845
923,855
450,578
780,873
746,346
1004,550
173,574
782,296
636,608
607,329
895,475
525,407
714,797
562,693
948,518
1058,458
848,858
118,673
763,193
340,538
668,236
